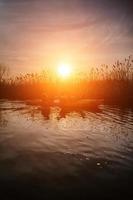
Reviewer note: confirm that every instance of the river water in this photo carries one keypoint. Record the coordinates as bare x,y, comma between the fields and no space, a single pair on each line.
70,154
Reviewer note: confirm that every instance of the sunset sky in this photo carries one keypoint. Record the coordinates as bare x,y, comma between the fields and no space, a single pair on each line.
39,33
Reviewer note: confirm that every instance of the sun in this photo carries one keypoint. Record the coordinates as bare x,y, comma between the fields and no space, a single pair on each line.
64,70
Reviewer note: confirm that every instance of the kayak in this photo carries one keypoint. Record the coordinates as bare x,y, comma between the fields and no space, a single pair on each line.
81,104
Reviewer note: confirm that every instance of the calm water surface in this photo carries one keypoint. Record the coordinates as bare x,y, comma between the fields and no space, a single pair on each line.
73,154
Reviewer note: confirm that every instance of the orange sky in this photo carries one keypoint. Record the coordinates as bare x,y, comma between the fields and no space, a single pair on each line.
35,34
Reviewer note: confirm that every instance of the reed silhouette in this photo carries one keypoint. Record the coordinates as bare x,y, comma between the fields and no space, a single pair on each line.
113,84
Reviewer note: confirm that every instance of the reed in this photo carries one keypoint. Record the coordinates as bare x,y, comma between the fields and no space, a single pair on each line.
110,83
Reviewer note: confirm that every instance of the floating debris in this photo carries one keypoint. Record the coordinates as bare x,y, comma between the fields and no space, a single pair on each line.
98,164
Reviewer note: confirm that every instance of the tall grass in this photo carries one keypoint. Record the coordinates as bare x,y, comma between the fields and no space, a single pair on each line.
109,83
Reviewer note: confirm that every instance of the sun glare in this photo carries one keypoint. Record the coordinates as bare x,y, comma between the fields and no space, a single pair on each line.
64,70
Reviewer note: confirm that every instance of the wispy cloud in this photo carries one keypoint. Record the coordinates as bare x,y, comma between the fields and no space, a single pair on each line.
31,26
